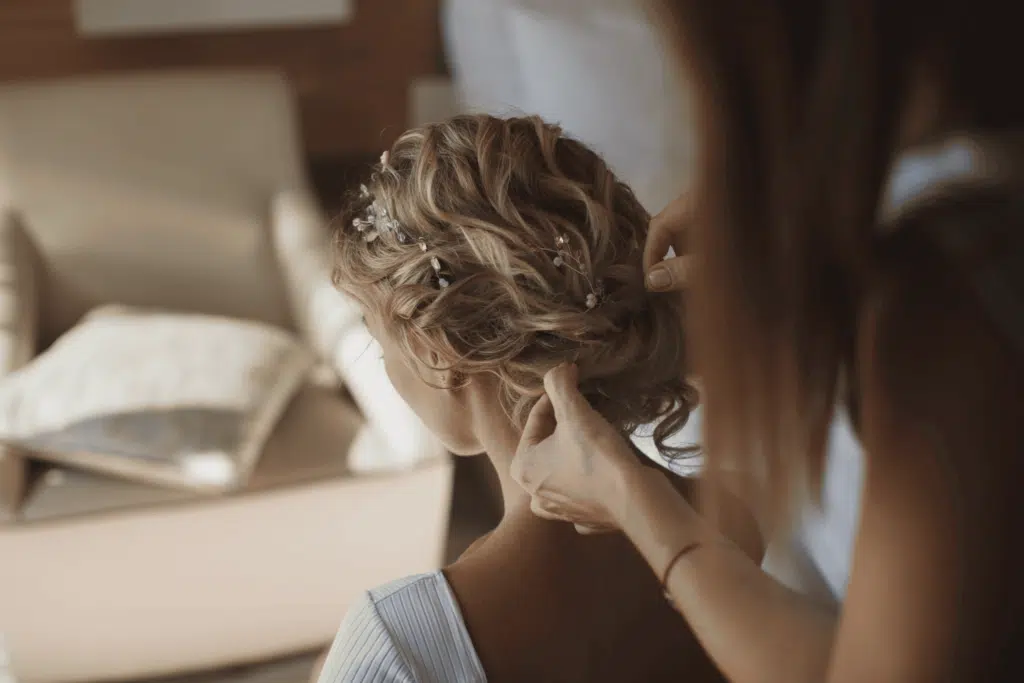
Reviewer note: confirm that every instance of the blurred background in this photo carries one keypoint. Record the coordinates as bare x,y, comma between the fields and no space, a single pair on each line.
200,465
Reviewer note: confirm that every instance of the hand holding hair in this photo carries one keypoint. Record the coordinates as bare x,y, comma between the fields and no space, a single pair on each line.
668,229
572,462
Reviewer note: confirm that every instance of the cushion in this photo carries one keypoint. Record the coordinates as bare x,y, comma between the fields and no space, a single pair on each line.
184,400
302,243
18,326
310,444
393,438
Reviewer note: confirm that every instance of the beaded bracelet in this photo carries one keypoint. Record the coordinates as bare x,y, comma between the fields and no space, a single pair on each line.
685,550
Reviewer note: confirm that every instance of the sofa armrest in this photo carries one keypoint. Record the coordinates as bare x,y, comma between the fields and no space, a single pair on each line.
302,244
393,436
19,318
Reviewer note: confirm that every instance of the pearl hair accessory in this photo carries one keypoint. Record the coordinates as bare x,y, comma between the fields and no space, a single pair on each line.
567,258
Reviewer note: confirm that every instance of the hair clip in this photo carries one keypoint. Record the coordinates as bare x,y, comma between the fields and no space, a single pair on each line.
384,158
564,256
442,281
378,221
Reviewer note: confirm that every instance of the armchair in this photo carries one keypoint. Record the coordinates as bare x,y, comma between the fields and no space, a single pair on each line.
18,323
186,192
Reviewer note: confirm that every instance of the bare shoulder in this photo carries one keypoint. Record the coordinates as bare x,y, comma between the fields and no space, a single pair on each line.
941,386
942,420
928,351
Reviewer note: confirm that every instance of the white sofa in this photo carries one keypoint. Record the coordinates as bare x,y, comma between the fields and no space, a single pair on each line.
187,192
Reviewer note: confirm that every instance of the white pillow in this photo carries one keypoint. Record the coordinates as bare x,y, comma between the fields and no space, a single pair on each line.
393,437
175,399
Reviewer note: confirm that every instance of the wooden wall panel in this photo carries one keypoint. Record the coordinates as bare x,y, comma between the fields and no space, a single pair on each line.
351,80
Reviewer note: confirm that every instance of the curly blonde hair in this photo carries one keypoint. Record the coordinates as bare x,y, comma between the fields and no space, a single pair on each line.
488,198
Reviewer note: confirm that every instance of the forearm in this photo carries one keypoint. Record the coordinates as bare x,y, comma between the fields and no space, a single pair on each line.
731,512
754,628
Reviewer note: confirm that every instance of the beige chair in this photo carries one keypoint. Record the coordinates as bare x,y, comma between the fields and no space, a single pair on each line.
186,192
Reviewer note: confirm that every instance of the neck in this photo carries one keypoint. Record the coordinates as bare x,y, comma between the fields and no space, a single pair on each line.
500,438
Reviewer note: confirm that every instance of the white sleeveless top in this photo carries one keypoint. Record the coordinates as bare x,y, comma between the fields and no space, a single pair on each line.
407,631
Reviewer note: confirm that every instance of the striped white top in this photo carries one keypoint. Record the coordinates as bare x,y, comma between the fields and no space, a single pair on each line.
407,631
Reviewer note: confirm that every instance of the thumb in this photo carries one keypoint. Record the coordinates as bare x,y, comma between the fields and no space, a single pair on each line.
561,384
540,423
526,469
669,275
667,229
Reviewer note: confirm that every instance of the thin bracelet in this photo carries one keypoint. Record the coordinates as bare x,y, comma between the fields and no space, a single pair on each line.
685,550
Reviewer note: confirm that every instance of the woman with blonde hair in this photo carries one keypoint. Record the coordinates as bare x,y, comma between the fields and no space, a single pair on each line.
485,252
854,242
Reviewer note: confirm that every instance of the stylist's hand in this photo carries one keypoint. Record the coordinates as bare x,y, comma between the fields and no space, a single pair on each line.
576,467
668,229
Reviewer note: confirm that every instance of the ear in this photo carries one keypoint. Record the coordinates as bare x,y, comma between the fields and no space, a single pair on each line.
433,372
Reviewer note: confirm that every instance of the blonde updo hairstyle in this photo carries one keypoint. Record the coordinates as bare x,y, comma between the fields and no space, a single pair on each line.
488,198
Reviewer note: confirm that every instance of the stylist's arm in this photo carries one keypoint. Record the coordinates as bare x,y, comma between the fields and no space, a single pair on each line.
578,469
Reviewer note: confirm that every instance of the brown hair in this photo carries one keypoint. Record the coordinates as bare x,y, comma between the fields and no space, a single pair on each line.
489,199
800,107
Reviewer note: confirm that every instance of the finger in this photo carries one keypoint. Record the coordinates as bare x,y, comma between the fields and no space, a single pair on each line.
527,465
561,384
669,275
667,229
540,424
593,529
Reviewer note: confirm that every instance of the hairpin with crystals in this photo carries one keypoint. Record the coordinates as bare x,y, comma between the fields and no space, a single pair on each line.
378,221
567,258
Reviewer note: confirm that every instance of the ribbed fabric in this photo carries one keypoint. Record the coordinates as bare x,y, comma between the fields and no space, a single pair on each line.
407,631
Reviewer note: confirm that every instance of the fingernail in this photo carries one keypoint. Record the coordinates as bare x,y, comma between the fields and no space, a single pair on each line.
658,278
